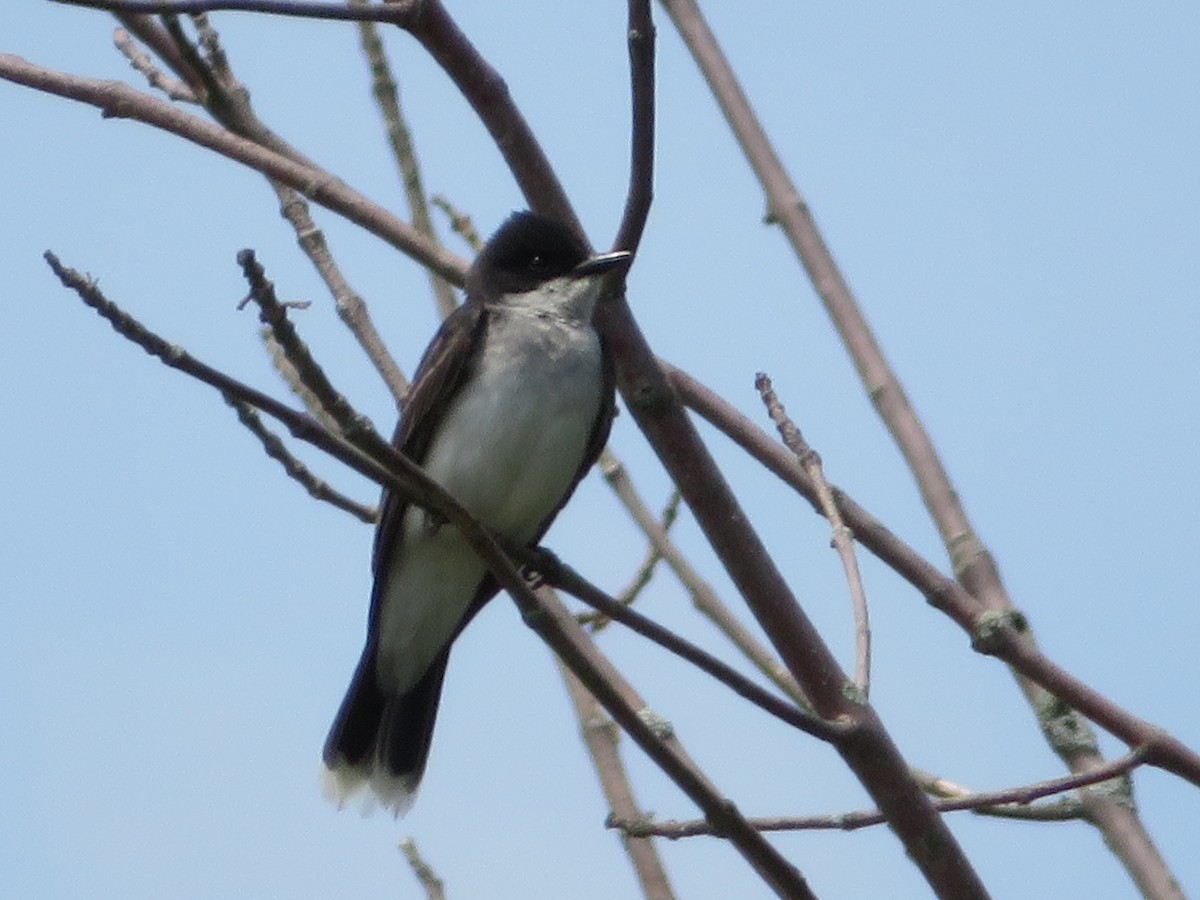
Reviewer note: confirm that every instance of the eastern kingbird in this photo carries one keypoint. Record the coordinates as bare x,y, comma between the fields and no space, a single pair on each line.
510,405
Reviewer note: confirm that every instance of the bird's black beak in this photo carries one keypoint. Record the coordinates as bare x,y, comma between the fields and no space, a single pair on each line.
617,261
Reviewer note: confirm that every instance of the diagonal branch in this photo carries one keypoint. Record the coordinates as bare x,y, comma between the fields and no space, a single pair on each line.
116,100
600,736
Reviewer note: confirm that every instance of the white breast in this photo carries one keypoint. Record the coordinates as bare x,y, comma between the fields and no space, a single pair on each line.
507,450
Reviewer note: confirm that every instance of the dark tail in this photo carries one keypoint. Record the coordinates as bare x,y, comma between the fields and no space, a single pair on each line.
381,740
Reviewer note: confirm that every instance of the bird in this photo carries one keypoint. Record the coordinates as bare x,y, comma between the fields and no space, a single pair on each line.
510,406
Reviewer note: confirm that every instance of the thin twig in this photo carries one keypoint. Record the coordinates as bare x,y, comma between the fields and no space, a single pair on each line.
645,572
991,803
387,97
354,426
149,31
843,537
317,488
641,141
295,383
349,304
434,889
173,88
460,222
703,596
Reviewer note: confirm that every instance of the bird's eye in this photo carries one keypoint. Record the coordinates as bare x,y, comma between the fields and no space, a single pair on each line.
538,264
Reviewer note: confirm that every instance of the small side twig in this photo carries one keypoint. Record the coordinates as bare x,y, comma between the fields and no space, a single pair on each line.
434,889
460,222
704,597
317,488
173,88
645,571
843,537
355,426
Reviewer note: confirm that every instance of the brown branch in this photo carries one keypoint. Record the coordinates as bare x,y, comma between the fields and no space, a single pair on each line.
843,537
641,144
394,11
116,100
486,91
562,576
871,755
543,613
147,29
600,736
346,301
990,803
354,426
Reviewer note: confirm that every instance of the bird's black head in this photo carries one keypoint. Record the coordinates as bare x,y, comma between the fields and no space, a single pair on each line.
526,251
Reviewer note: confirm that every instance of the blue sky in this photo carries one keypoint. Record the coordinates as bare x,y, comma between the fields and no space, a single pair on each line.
1011,192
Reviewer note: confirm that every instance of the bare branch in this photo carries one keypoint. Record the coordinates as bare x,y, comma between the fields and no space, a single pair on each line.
989,803
174,88
317,488
972,563
117,100
641,150
350,423
645,572
387,97
600,736
349,305
560,575
704,598
843,537
147,29
460,222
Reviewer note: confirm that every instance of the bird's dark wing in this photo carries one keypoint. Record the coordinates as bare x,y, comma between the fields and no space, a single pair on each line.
440,372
